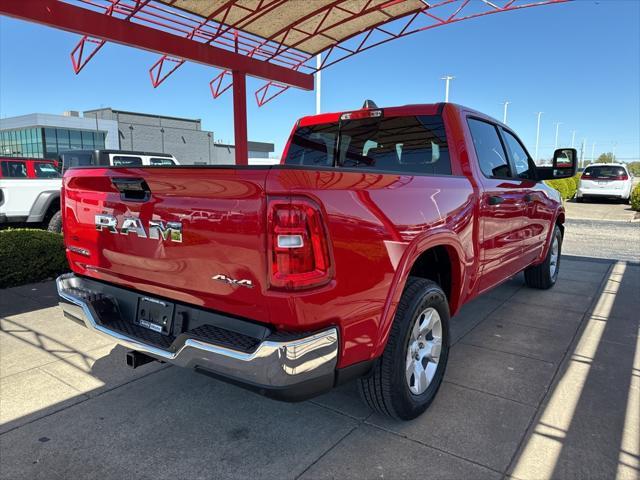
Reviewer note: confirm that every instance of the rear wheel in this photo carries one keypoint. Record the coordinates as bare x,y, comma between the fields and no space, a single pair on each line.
407,376
579,199
55,223
544,276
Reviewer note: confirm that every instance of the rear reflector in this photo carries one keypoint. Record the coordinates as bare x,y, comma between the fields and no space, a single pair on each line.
298,244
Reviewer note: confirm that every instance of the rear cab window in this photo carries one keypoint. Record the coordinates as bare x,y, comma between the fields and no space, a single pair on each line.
402,145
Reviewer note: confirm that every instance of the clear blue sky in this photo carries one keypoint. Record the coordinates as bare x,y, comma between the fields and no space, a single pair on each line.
578,62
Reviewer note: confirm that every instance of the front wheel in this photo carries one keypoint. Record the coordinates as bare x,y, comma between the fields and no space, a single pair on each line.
544,276
407,376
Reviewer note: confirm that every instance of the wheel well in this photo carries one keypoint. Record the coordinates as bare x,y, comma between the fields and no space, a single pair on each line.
54,206
560,223
434,264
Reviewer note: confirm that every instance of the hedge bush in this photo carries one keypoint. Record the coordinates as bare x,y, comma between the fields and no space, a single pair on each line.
635,198
29,255
566,186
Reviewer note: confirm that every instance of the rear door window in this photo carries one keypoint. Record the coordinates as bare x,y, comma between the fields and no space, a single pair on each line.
161,161
45,170
126,161
12,169
409,144
489,149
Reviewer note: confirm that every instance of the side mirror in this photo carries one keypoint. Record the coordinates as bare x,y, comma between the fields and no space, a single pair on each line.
565,164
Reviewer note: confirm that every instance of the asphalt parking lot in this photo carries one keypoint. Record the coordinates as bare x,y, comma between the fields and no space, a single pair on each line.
540,384
603,229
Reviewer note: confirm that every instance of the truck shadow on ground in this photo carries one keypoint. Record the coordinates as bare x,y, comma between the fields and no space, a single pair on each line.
116,420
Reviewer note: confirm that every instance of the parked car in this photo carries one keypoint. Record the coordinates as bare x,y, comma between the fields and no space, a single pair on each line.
123,158
346,261
30,192
605,180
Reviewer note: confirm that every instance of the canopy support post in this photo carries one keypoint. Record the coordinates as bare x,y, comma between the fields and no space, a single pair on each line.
240,117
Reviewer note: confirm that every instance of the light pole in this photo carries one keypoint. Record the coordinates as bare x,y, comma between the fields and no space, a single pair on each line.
447,79
613,154
583,151
557,131
593,151
573,138
318,81
504,115
538,135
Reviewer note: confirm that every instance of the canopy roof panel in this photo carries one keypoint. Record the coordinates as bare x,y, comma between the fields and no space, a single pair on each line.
275,40
307,25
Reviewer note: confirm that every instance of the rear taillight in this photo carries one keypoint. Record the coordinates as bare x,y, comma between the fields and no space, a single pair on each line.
622,177
298,245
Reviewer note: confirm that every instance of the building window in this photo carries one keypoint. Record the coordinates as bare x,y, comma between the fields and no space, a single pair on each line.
47,142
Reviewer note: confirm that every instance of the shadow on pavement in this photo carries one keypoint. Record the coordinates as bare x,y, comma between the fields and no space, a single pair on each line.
589,424
17,300
109,426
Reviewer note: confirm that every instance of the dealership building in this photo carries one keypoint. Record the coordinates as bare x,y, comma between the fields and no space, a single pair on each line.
40,135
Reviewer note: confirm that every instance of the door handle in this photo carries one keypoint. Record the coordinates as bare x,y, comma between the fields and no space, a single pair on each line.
132,189
495,200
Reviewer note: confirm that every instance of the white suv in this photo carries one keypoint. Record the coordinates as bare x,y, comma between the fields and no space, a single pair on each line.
605,180
114,158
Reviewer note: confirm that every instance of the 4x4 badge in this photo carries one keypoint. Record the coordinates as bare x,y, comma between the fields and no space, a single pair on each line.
233,281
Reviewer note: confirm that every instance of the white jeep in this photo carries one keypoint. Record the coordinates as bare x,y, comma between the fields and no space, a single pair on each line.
30,192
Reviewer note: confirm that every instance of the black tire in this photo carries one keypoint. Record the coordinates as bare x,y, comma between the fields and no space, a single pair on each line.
541,276
385,389
579,199
55,223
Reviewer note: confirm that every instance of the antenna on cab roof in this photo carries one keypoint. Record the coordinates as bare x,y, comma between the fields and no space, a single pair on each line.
369,104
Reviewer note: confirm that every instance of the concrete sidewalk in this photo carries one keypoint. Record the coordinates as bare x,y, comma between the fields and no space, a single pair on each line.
540,384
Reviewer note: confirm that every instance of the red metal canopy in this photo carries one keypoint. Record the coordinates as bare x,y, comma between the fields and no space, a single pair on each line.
274,40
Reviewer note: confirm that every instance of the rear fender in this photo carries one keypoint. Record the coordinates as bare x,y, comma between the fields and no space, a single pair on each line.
434,238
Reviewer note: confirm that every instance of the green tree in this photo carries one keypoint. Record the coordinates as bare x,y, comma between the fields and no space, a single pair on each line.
634,168
605,158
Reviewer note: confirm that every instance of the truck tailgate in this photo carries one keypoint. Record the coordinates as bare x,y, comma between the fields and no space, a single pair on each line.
221,213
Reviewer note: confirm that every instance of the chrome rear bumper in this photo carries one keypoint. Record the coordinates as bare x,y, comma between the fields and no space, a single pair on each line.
276,364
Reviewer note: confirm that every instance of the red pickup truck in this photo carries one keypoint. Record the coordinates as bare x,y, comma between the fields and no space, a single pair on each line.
346,261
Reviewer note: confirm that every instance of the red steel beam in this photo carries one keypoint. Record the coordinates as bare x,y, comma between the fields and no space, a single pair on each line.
240,117
80,20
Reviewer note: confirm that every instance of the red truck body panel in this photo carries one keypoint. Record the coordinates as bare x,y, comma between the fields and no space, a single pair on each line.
378,225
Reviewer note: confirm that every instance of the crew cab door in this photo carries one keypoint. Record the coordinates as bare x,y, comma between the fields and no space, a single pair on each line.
503,216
